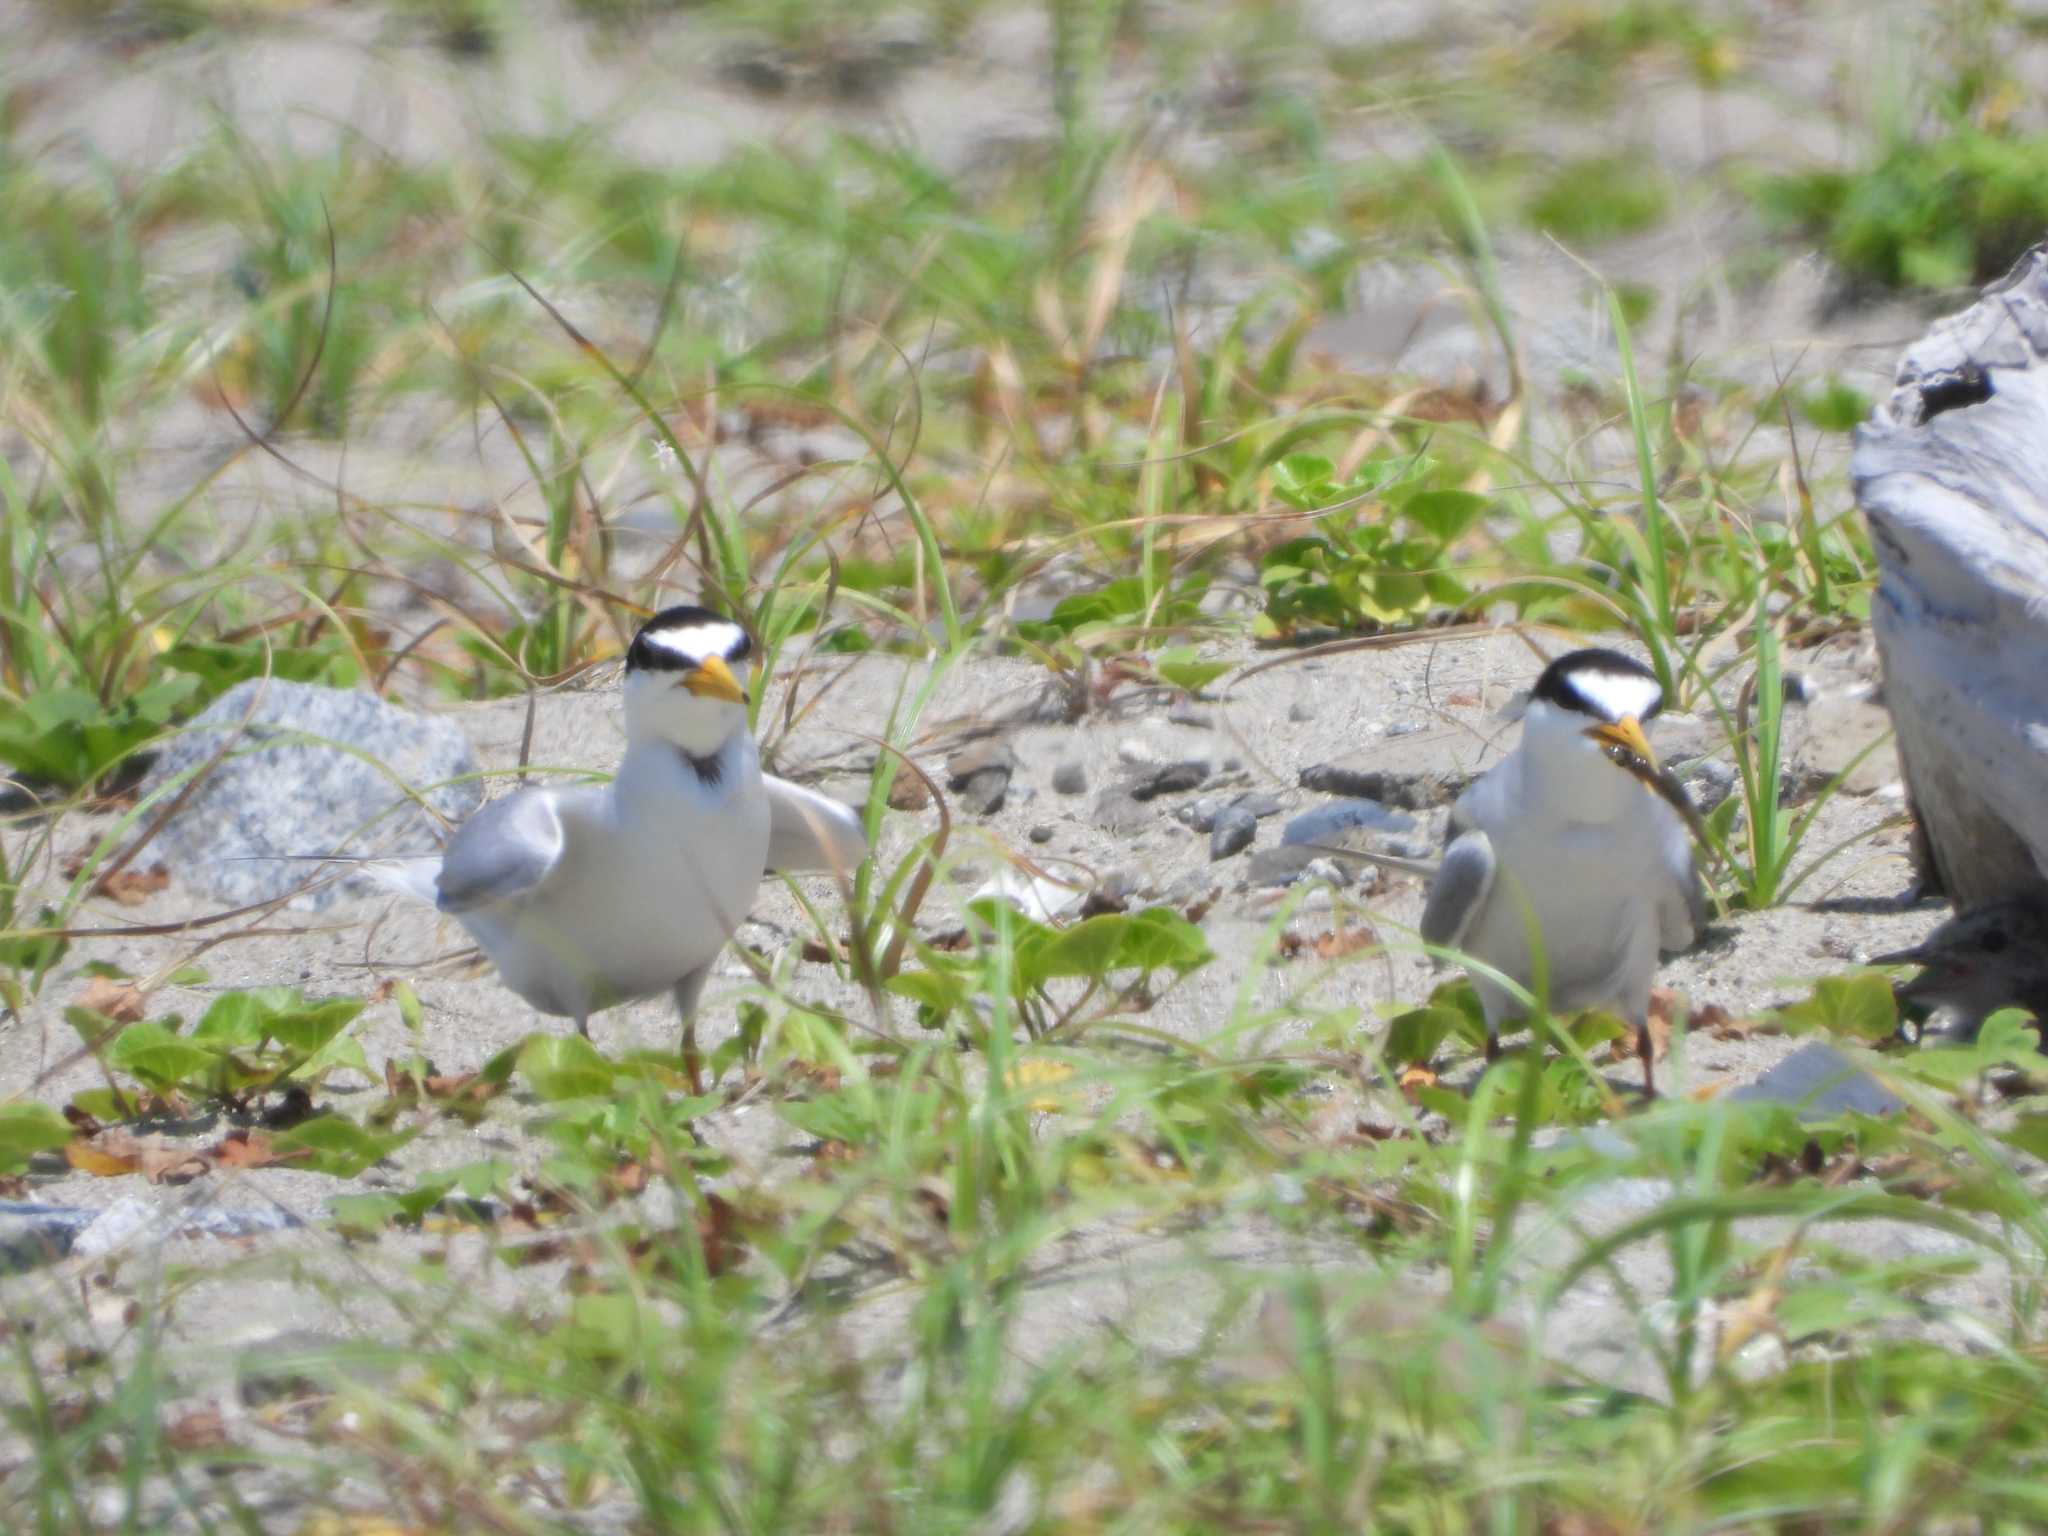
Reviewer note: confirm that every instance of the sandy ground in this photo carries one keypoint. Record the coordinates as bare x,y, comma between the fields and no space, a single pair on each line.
1420,713
1424,713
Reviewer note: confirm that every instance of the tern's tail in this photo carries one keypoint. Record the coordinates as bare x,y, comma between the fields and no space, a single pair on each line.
409,874
412,876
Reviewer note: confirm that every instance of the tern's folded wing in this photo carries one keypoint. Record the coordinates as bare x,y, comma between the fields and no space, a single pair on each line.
807,830
1682,898
504,850
1459,890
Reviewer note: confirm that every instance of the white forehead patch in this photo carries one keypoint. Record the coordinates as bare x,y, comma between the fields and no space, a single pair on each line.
693,643
1614,695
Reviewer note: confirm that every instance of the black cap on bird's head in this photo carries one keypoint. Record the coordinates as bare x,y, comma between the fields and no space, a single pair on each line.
1603,684
700,647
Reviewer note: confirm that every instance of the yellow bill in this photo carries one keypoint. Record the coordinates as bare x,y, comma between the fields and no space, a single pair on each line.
713,679
1627,734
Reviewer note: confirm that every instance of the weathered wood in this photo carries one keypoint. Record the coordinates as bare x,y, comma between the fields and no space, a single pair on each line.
1952,473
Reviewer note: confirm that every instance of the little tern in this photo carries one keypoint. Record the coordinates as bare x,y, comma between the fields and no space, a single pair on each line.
588,897
1566,842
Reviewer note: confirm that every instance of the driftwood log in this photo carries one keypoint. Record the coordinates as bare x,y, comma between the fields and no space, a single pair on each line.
1952,472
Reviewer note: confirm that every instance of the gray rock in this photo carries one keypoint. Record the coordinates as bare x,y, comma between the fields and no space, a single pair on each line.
1329,823
1200,815
1232,832
1168,779
988,755
984,792
315,770
1116,810
1070,778
1299,713
1411,791
1709,780
1328,871
1041,833
1819,1081
1117,890
979,774
1259,804
1195,719
1279,866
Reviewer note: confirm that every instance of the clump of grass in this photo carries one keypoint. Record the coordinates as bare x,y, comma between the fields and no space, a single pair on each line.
1937,213
1600,198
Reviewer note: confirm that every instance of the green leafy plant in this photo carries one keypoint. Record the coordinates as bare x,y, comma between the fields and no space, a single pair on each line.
1380,554
247,1046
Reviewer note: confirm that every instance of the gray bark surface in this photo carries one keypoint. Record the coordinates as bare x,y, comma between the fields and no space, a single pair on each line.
1952,473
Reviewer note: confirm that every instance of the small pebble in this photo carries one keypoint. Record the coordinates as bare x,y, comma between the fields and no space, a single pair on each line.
1411,791
1136,753
1232,832
1327,823
1041,833
1199,815
990,755
907,792
984,792
1404,728
1709,780
1278,866
1194,718
1329,871
1300,714
1169,779
1117,811
1259,803
1196,885
1070,778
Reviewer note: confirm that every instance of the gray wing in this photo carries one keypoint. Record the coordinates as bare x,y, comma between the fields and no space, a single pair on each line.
1682,895
1459,890
504,850
807,830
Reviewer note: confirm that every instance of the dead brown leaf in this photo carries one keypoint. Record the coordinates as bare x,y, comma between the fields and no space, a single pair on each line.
202,1429
114,1152
718,1229
132,887
1664,1002
245,1149
98,1161
830,1154
1339,942
629,1178
1417,1077
121,1001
